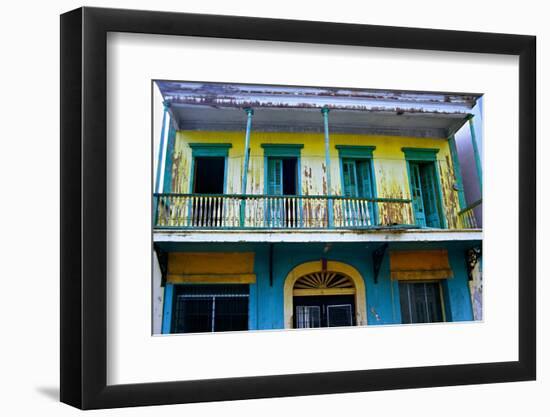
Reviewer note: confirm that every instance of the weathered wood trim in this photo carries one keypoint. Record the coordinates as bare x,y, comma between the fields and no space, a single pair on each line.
302,292
316,235
420,154
211,278
355,151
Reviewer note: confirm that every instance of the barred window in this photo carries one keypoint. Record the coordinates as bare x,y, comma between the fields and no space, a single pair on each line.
420,302
210,308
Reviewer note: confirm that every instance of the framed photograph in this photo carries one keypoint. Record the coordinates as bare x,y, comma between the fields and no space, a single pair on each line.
256,208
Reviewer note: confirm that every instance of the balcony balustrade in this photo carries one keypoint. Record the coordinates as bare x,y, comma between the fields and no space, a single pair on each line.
235,211
467,217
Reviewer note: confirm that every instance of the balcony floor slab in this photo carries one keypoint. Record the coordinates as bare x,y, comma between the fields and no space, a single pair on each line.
312,235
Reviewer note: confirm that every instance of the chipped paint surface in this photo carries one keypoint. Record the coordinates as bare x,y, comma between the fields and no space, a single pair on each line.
250,95
389,166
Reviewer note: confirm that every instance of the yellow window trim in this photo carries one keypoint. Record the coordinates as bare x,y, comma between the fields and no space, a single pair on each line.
301,292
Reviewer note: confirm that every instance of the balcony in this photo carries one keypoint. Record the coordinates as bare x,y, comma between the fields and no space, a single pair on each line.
468,218
236,211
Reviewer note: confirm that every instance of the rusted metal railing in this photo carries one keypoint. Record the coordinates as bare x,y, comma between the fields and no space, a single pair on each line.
467,216
236,211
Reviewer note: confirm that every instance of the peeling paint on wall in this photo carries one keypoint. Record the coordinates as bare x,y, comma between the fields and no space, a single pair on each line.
476,292
451,205
389,167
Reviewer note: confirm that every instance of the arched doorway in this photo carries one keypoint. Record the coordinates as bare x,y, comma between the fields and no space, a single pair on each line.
317,296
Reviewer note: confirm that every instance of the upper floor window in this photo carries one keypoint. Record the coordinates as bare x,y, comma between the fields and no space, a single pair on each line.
425,188
282,168
282,184
357,183
208,172
282,176
208,168
357,178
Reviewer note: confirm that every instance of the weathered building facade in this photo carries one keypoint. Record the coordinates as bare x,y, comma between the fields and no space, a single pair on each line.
290,207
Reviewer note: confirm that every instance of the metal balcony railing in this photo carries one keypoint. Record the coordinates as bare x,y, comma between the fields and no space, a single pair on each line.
467,217
236,211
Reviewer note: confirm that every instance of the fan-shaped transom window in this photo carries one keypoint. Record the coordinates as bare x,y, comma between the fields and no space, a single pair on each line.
319,283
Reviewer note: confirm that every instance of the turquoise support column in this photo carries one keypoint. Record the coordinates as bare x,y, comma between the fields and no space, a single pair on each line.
476,152
325,111
167,313
159,162
167,180
458,173
249,114
161,147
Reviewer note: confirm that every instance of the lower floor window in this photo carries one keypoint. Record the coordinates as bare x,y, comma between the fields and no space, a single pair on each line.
210,308
420,302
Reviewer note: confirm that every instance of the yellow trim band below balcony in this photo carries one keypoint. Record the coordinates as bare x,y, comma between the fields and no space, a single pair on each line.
211,278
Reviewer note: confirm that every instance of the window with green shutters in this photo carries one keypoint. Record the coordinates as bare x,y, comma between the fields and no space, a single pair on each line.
424,193
357,182
275,176
282,180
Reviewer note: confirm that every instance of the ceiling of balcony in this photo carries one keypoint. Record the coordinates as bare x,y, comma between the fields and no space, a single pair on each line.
200,106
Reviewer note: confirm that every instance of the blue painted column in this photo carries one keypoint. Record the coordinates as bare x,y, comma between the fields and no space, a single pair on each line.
167,310
161,146
476,152
249,114
325,111
167,180
159,162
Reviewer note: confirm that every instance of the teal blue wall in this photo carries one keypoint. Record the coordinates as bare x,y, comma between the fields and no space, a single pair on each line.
267,302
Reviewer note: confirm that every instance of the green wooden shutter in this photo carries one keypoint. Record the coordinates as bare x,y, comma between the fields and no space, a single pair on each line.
429,193
416,194
350,178
275,176
274,207
364,179
365,186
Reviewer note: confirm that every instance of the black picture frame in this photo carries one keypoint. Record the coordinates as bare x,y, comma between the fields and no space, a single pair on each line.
84,207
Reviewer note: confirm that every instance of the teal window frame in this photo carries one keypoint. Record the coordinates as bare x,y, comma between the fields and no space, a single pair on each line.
364,153
209,150
280,150
276,150
413,155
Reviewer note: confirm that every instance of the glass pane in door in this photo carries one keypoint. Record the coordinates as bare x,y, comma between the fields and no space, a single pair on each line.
308,317
339,315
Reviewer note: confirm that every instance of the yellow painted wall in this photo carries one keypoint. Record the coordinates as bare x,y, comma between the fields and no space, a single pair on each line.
390,169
